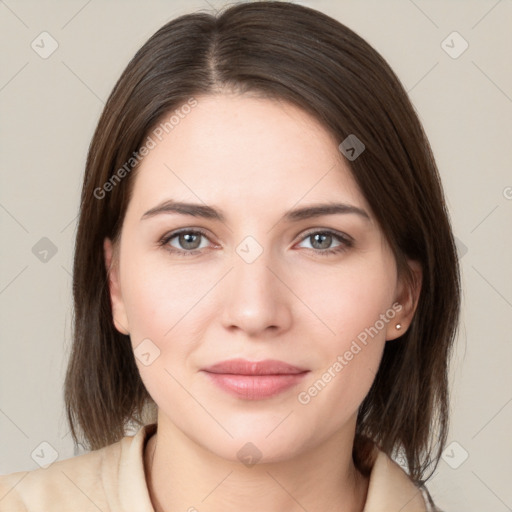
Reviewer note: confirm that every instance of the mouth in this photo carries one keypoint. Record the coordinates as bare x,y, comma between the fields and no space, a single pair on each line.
254,380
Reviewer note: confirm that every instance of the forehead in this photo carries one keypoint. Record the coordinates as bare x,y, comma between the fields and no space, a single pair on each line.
242,150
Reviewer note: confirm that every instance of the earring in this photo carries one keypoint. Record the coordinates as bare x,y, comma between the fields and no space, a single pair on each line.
398,326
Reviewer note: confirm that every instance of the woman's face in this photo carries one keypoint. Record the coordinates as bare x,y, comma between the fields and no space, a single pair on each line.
255,276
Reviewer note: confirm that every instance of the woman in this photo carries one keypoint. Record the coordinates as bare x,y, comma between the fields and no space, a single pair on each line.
265,281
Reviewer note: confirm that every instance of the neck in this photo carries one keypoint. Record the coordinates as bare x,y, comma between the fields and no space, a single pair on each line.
182,475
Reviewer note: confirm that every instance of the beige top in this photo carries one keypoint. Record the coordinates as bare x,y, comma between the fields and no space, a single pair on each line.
112,479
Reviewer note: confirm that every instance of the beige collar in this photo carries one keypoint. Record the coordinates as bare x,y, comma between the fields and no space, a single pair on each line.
389,490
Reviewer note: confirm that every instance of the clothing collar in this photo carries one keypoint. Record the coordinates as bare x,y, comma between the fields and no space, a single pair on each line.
389,490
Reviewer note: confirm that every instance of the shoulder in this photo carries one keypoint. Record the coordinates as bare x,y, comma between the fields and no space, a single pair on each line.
88,482
82,481
390,488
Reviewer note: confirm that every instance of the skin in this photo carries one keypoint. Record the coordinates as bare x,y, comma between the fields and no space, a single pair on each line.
254,159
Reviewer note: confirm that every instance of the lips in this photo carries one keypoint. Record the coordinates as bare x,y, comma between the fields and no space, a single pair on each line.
244,367
255,380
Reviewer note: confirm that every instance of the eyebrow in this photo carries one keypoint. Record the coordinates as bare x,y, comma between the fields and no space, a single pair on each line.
207,212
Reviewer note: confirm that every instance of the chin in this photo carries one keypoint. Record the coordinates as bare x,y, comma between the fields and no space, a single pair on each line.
251,451
251,446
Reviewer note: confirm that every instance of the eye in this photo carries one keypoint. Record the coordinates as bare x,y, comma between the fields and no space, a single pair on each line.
188,242
321,242
185,242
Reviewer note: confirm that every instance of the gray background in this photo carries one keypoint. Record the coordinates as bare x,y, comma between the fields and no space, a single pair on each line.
49,109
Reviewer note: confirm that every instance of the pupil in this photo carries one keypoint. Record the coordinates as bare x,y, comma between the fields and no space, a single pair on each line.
188,239
323,238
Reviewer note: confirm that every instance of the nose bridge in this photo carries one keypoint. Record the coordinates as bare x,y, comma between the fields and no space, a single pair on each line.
256,298
252,276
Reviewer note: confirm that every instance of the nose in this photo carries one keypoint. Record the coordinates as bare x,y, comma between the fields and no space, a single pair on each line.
257,300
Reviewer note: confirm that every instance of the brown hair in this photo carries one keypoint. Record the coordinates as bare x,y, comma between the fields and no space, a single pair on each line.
294,53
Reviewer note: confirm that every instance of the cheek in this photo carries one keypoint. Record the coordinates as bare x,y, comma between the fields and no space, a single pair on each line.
355,303
163,308
169,305
158,296
351,298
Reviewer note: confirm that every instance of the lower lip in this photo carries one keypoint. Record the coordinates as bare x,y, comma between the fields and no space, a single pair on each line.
255,387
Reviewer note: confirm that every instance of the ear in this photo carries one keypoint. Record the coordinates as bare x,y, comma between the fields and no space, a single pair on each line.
116,299
407,297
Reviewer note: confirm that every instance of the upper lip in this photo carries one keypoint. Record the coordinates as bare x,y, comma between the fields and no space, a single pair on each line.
245,367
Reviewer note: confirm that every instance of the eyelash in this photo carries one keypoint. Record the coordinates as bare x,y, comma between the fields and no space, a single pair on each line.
346,242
